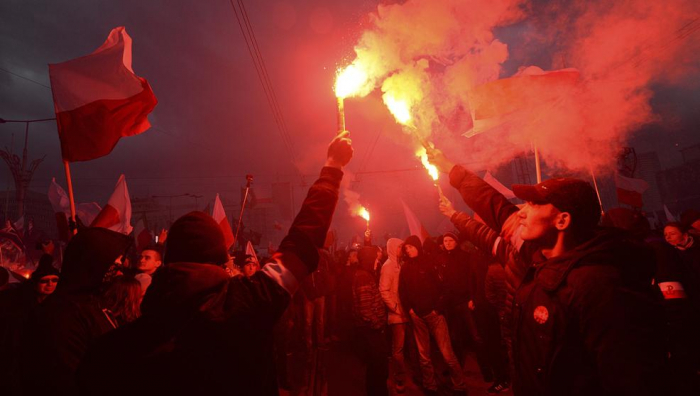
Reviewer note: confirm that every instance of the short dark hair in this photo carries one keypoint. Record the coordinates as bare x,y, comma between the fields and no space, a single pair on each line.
155,248
680,226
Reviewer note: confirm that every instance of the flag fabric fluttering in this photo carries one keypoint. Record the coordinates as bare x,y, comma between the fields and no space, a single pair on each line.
414,225
629,190
143,236
98,99
669,216
493,182
116,215
86,211
219,216
249,250
507,101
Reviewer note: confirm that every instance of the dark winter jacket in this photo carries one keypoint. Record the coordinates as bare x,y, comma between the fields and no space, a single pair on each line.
201,333
456,277
419,285
586,322
70,320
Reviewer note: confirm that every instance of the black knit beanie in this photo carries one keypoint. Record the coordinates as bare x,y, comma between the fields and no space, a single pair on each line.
415,242
195,238
451,235
42,270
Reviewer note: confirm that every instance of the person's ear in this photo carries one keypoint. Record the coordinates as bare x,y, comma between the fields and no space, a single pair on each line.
562,221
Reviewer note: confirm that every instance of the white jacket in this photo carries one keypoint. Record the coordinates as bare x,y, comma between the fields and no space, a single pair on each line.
389,284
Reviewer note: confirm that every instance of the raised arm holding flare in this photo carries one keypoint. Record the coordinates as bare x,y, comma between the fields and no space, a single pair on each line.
203,332
586,319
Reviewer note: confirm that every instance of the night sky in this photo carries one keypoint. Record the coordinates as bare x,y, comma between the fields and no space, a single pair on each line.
213,124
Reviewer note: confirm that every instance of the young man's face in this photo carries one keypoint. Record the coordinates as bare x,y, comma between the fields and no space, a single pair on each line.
449,243
537,221
411,251
250,268
47,285
149,261
674,236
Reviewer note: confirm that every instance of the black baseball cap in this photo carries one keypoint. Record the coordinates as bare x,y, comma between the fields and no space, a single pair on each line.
574,196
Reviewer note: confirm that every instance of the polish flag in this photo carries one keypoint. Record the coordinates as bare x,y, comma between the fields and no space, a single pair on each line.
669,216
59,202
249,250
116,215
98,99
219,216
629,190
142,234
507,102
414,225
493,182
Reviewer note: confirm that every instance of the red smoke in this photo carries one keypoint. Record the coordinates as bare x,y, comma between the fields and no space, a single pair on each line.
619,50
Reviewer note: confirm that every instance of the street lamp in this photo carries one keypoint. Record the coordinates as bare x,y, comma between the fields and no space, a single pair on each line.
20,172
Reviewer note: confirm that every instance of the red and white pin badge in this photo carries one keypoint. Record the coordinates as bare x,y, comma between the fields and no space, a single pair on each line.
541,314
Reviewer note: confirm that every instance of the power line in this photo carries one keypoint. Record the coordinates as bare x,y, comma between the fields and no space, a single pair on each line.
190,141
25,78
264,77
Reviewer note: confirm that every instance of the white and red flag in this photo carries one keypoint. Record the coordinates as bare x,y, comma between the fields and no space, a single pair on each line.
219,216
249,250
629,190
98,99
669,216
414,225
493,182
143,236
116,215
59,202
507,102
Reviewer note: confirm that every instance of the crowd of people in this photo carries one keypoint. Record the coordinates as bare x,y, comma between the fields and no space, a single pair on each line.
551,297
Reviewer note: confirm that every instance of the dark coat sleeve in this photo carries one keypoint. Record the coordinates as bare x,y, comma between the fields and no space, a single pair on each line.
491,205
486,240
299,249
266,295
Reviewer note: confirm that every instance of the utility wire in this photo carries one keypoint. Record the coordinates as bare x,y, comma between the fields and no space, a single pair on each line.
264,78
25,78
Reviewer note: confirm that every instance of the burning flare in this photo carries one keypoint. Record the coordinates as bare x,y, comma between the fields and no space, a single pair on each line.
350,81
432,169
363,212
399,108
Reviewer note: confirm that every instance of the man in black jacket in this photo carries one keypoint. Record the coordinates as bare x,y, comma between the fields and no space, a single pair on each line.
205,333
586,320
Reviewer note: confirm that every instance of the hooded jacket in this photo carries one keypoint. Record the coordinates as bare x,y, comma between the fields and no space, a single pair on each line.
63,327
389,284
419,285
586,322
203,333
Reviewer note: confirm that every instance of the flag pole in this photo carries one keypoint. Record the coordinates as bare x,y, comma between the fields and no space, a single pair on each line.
597,192
249,178
69,182
538,165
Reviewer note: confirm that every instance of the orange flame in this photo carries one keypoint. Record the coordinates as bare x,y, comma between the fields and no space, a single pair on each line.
350,81
432,169
399,108
363,212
